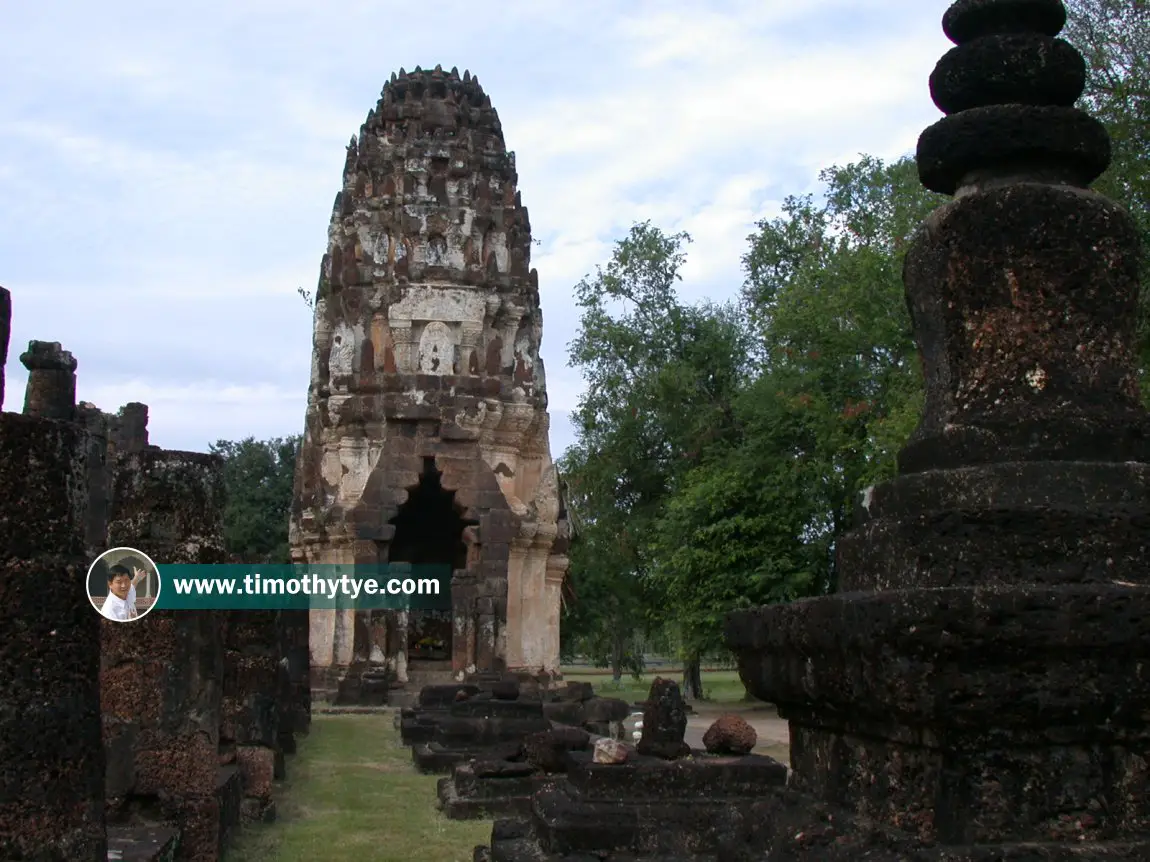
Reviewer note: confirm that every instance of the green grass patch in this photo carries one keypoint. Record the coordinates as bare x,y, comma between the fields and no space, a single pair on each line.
719,686
352,794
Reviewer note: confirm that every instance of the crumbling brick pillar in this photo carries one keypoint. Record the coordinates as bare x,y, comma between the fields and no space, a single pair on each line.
51,760
294,650
129,432
5,334
160,685
99,478
161,676
51,392
252,705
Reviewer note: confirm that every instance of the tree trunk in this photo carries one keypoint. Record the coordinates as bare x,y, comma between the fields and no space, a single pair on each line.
693,678
617,644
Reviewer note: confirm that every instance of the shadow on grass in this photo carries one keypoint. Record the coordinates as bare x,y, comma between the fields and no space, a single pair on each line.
352,794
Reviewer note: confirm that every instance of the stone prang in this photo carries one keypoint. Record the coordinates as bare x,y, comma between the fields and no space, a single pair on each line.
426,437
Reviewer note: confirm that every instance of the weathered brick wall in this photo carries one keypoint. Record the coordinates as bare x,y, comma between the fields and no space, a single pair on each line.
295,678
51,760
250,734
162,676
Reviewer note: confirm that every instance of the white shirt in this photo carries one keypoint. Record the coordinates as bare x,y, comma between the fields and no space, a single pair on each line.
115,608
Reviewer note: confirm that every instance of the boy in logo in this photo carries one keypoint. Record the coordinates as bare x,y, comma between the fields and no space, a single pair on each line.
121,602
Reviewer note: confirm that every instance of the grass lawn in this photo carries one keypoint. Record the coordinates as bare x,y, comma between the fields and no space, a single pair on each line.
719,686
352,794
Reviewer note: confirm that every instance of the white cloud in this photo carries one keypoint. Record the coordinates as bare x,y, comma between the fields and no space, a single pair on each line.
174,170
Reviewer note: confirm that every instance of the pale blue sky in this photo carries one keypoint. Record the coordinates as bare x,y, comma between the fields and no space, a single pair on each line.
168,170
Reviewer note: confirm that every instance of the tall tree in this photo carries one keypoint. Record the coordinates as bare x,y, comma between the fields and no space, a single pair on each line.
824,285
660,380
605,616
258,477
617,472
737,532
1114,38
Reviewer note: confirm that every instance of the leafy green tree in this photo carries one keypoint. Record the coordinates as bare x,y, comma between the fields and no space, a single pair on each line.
1114,38
258,476
617,471
737,532
605,616
660,382
824,286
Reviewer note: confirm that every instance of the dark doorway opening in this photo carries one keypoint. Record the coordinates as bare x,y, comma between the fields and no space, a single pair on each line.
429,532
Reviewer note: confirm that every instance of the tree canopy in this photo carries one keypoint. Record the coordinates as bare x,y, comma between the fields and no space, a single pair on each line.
721,446
258,477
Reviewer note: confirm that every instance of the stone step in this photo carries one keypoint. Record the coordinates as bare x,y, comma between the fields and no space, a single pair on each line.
401,698
328,709
421,673
142,843
229,794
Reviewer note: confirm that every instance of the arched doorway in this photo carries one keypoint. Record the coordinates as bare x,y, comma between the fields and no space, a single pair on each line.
429,532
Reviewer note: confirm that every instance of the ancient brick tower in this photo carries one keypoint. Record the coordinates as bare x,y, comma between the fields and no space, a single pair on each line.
426,438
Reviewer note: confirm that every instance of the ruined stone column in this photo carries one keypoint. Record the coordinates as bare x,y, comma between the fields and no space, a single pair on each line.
161,676
130,429
5,334
981,683
250,730
99,477
296,718
552,605
51,760
51,390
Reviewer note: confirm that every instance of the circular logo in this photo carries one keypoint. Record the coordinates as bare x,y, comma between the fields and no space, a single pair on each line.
123,584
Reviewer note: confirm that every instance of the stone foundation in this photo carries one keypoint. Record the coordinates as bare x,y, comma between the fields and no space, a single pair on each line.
476,727
575,704
699,808
492,715
364,685
487,787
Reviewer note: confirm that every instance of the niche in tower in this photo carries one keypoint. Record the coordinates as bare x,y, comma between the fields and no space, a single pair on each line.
429,534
